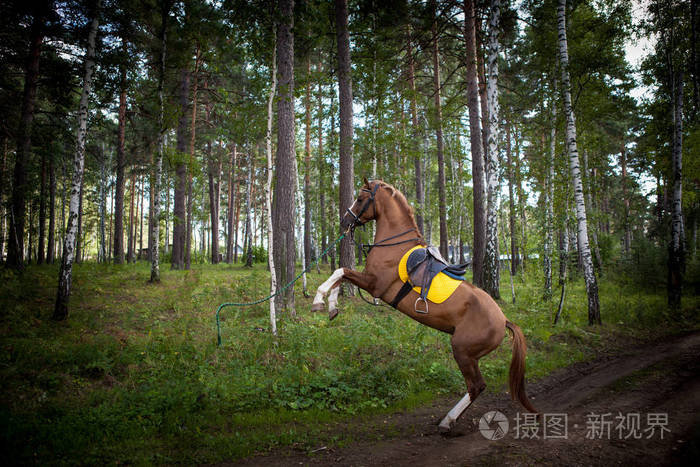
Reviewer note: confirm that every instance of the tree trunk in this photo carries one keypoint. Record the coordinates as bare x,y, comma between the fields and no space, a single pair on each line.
248,215
549,206
230,245
51,249
627,239
214,173
193,132
418,172
79,238
65,273
42,212
511,205
236,224
588,187
491,257
307,166
102,256
478,173
130,239
676,257
284,196
442,197
3,184
121,164
179,220
346,170
15,242
483,98
143,190
321,172
583,245
268,192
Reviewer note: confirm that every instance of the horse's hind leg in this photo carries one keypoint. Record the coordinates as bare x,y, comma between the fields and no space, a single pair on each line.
475,385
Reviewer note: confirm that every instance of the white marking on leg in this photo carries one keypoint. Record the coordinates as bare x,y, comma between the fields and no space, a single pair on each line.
333,299
455,412
326,286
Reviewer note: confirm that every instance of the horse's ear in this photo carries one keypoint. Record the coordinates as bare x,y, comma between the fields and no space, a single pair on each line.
364,179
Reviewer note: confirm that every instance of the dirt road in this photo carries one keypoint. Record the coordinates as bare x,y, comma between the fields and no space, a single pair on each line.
617,409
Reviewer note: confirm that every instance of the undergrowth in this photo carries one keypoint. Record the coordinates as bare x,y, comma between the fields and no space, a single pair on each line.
134,375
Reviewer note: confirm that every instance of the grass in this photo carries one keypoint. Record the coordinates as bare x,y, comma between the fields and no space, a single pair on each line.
135,376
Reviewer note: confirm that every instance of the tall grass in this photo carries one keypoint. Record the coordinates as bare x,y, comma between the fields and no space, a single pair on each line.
135,375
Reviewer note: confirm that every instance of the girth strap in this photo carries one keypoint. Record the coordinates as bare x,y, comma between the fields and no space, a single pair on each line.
403,291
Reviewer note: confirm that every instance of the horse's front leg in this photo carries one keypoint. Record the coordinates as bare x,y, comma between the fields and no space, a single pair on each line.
361,279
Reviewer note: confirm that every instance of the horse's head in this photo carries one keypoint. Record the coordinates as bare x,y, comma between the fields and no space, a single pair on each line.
364,208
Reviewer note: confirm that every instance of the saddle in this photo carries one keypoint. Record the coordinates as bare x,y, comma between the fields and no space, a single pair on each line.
422,266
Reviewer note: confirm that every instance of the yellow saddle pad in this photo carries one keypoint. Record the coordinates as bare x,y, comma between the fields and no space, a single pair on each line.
441,289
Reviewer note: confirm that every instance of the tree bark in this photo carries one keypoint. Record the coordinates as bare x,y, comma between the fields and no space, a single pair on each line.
284,196
130,239
121,163
15,242
676,258
230,245
442,197
478,172
51,248
268,193
42,212
491,257
346,169
214,173
511,205
321,172
193,132
549,206
583,245
418,172
249,213
307,166
179,220
79,237
65,273
627,239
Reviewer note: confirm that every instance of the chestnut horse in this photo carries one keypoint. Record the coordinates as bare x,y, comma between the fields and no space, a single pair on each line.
470,315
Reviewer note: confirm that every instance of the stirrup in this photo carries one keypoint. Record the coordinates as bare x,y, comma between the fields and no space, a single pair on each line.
415,306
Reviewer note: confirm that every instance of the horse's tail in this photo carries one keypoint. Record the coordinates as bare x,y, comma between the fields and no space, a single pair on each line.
517,367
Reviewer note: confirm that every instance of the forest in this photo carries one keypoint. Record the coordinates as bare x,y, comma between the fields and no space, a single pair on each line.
176,168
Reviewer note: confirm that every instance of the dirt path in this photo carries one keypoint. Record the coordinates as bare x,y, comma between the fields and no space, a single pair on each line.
663,378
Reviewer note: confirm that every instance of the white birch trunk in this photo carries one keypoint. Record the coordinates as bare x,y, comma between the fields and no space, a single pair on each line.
549,202
491,270
676,254
65,273
268,194
583,245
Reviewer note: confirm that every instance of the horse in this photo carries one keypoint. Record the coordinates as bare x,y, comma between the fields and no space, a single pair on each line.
474,320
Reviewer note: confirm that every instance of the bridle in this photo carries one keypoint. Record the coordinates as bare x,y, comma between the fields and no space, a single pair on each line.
370,201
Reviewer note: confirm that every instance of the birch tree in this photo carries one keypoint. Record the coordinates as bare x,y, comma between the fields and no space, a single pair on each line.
491,269
66,270
549,206
268,193
676,253
580,206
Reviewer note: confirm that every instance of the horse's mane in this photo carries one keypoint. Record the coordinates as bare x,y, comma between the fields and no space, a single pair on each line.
402,202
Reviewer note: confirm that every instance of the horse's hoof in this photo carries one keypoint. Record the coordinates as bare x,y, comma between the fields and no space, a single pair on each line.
332,314
317,307
445,427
